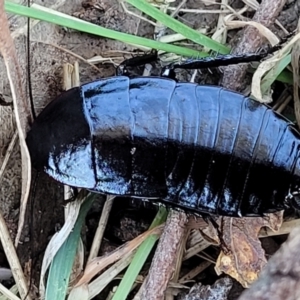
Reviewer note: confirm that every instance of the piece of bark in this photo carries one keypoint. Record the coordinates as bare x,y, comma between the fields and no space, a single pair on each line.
163,264
250,42
281,277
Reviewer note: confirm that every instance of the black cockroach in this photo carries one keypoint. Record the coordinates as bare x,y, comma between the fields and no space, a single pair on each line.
201,148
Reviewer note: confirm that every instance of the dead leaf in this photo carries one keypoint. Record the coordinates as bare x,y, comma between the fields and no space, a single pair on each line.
244,258
280,278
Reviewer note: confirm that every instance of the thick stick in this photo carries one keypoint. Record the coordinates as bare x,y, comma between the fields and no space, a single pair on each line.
250,42
163,264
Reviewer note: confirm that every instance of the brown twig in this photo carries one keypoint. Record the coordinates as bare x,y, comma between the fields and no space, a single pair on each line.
163,264
250,42
281,277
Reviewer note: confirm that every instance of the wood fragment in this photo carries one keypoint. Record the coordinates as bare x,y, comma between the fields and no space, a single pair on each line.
250,42
163,264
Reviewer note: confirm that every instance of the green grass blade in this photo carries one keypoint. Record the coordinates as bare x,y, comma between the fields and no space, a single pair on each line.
139,258
60,269
273,74
179,27
83,26
285,77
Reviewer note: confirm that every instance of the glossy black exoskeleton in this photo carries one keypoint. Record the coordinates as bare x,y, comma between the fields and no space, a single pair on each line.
200,148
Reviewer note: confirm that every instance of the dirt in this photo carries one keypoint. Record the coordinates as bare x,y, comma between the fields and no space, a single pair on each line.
45,213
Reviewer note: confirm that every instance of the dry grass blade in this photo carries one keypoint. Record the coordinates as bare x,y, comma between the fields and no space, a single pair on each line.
70,80
282,107
285,228
198,247
263,30
220,34
101,228
13,260
21,109
97,285
197,11
81,293
22,115
8,153
197,243
87,61
99,263
268,65
282,101
70,76
9,294
59,238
